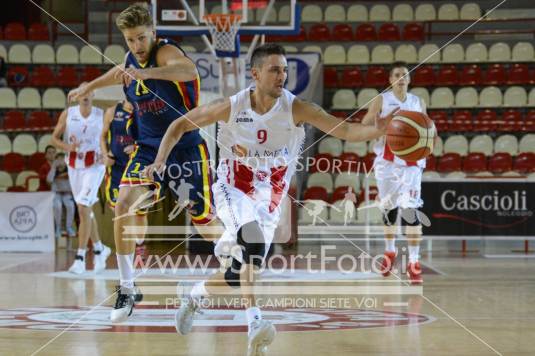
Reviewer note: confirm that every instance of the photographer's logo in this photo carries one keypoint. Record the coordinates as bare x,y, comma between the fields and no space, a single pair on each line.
23,218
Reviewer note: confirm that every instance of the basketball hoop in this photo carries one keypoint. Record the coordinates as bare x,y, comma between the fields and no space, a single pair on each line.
224,30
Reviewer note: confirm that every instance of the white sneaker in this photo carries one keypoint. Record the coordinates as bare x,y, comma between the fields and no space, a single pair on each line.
124,304
261,334
101,257
78,266
184,315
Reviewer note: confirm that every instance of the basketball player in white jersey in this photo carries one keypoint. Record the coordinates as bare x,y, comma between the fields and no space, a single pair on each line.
80,127
261,132
398,181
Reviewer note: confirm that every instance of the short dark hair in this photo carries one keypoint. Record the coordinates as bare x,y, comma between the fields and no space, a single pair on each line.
397,64
49,146
60,154
267,49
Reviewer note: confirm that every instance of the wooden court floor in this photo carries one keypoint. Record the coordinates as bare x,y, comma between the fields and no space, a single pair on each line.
473,306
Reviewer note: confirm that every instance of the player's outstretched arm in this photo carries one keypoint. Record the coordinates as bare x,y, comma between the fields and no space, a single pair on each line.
111,77
204,115
305,112
107,158
374,110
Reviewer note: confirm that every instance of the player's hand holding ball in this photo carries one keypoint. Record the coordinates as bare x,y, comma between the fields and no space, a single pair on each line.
381,123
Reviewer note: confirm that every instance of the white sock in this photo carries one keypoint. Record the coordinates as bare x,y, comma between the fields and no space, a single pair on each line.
81,252
97,246
199,290
126,270
253,314
390,245
414,251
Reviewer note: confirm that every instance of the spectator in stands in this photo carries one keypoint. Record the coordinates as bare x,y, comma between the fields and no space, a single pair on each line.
59,181
3,72
50,154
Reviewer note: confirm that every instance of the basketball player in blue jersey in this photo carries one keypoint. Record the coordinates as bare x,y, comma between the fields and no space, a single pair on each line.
116,144
162,83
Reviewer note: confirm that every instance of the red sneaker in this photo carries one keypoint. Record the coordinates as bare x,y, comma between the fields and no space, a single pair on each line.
414,272
389,259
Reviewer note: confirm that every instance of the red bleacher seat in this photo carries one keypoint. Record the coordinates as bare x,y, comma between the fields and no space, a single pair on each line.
39,120
447,75
342,32
42,76
413,32
500,162
462,121
525,162
319,32
15,31
330,77
440,118
388,32
376,76
16,189
366,32
36,160
17,76
512,115
475,162
316,193
67,77
340,193
518,74
351,78
302,36
430,163
487,115
322,163
14,120
470,75
449,162
89,73
13,162
495,75
367,163
350,162
423,76
38,32
530,115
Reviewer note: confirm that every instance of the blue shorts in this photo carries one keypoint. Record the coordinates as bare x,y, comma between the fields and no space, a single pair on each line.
188,174
113,179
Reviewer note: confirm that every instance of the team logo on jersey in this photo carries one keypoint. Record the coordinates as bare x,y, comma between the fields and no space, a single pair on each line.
244,119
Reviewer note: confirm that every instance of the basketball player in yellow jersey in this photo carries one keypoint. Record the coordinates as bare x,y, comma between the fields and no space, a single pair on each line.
398,181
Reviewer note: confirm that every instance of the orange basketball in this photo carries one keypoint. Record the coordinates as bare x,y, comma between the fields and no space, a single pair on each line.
411,135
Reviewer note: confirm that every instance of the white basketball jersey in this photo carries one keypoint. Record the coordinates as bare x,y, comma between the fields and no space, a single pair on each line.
86,131
390,102
259,152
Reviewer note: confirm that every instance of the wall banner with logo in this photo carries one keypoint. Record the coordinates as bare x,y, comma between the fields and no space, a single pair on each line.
305,74
27,222
479,208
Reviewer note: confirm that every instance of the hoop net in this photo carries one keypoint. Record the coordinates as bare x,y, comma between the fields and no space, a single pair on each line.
224,29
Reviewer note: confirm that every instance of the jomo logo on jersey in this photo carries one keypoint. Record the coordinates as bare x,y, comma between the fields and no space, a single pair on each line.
242,117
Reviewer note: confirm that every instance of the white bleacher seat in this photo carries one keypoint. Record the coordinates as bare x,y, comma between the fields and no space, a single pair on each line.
523,52
5,144
456,144
511,174
357,13
290,49
344,99
8,98
476,52
466,98
531,97
331,145
484,174
31,184
368,178
371,145
425,12
312,49
90,55
335,13
114,54
490,97
358,54
499,52
271,18
311,13
527,143
24,144
429,50
371,209
453,53
308,213
441,98
5,181
470,11
338,214
402,12
43,142
507,144
422,93
438,149
430,175
3,53
448,12
19,53
406,53
482,144
382,54
43,54
348,179
365,97
284,13
29,98
54,98
380,13
456,175
320,180
360,148
515,96
334,54
67,54
191,49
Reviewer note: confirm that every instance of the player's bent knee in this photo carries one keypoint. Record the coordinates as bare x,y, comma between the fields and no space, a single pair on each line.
250,238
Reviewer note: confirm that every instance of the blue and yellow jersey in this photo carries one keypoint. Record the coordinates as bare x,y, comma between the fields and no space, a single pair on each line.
119,136
159,102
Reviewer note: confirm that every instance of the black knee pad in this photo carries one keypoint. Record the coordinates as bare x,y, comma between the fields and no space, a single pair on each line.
232,274
390,217
251,239
410,217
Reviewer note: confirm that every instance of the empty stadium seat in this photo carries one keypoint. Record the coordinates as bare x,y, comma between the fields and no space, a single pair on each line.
475,162
284,13
360,148
335,13
13,162
482,144
366,32
89,73
523,52
422,93
413,32
365,96
425,12
311,13
453,53
43,142
447,75
499,52
19,53
320,32
29,180
402,12
5,144
114,53
348,179
5,181
331,145
342,32
448,12
334,54
67,77
14,120
39,120
441,98
380,13
507,144
42,76
518,74
423,75
490,97
525,162
495,75
406,53
15,31
323,162
344,99
382,54
29,98
8,98
429,53
531,97
527,143
388,32
330,77
290,49
320,180
43,53
376,76
38,32
90,55
476,52
316,193
17,76
312,49
67,54
449,162
271,17
470,11
470,75
54,98
24,144
357,13
500,163
358,54
456,144
515,97
466,98
349,162
351,78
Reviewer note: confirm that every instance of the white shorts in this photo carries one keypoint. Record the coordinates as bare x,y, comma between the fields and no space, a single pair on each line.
399,186
235,209
85,183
